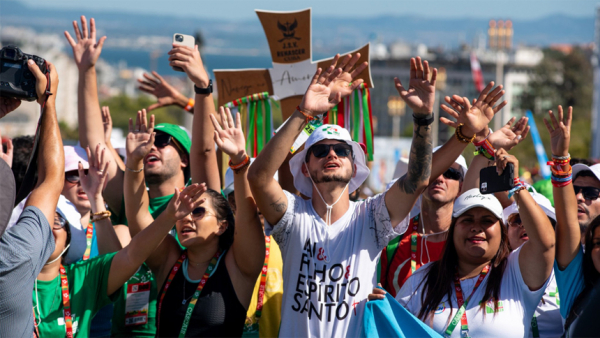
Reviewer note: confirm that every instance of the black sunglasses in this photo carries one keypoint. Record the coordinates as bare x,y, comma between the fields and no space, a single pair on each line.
589,193
200,212
59,222
73,176
515,220
453,174
162,140
322,150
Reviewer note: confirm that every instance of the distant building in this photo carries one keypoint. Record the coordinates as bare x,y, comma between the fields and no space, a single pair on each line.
512,68
595,151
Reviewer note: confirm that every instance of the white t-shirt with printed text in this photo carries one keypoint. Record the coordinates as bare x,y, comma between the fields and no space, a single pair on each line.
512,318
328,271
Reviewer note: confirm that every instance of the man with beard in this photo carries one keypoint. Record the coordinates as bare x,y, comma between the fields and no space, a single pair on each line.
428,229
329,244
587,191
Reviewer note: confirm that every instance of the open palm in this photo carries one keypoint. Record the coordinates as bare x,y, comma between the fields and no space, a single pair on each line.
93,183
184,202
140,138
560,131
344,83
229,138
508,136
86,50
420,96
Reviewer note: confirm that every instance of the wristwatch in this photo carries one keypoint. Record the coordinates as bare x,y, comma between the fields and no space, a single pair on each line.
422,121
206,90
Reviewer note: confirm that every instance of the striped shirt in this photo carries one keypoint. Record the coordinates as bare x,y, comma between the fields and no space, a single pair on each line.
24,249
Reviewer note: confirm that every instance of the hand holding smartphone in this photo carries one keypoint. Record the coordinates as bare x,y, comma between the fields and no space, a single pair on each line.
184,40
490,182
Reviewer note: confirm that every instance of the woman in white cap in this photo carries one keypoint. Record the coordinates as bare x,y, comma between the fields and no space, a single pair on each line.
547,321
67,296
479,287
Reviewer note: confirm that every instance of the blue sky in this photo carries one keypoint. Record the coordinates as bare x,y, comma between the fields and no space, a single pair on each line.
242,9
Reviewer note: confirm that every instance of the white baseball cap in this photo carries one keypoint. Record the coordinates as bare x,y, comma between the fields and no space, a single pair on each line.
579,167
328,132
540,199
74,155
474,199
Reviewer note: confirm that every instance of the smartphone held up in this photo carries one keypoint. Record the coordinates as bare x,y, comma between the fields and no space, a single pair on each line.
490,182
184,40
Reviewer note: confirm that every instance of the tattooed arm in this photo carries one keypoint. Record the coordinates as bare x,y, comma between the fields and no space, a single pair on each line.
420,97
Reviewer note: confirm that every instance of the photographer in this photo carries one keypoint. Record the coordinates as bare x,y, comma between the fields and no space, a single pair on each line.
25,247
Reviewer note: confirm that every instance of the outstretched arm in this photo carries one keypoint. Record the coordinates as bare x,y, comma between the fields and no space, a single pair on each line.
166,95
325,91
249,242
203,156
108,126
537,254
51,157
129,259
92,185
86,51
568,233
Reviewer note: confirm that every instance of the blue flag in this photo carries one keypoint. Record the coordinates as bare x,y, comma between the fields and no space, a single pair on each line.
539,147
387,318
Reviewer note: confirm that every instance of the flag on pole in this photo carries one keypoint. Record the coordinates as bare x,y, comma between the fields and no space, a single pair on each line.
539,147
476,73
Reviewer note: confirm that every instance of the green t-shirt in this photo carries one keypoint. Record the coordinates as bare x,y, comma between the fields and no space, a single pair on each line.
126,326
88,281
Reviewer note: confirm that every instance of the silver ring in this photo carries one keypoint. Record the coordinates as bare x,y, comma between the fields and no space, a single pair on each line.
101,172
518,137
504,157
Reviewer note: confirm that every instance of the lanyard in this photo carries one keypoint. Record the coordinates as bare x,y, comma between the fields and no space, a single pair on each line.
263,279
64,285
192,304
88,241
464,325
413,244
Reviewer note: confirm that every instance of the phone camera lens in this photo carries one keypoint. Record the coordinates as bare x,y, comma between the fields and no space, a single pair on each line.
179,38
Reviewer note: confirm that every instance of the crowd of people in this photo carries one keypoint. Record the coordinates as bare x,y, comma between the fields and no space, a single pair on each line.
153,244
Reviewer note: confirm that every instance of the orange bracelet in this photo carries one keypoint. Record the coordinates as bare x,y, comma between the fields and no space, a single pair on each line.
190,105
308,117
239,166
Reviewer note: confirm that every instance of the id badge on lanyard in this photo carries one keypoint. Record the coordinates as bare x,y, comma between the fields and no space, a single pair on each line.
136,306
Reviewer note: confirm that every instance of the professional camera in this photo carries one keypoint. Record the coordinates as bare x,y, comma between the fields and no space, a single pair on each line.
16,80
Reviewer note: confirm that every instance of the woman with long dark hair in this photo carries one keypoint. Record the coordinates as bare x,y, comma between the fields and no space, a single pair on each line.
479,287
206,287
577,270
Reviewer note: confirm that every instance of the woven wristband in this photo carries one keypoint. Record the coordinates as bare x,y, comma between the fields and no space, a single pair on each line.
190,105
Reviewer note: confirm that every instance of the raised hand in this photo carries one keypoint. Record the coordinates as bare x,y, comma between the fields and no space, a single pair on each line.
230,138
184,202
86,50
190,61
8,156
508,136
560,131
165,94
93,183
7,105
503,158
343,83
317,99
107,123
420,95
140,138
475,117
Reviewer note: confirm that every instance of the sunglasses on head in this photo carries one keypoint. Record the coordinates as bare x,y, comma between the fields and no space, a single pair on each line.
162,140
322,150
515,220
73,176
453,174
589,193
59,222
200,212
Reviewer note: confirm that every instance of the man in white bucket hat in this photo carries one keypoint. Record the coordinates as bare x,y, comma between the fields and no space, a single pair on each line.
330,246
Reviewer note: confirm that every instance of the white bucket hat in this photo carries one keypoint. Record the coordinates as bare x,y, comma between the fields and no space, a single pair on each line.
328,132
540,199
473,199
582,167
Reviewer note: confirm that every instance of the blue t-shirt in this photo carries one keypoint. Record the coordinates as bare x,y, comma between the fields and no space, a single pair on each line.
24,249
570,282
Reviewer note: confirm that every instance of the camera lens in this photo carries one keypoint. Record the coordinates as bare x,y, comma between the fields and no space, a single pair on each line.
179,38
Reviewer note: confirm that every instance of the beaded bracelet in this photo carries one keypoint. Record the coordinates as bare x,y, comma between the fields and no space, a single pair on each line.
461,137
307,116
